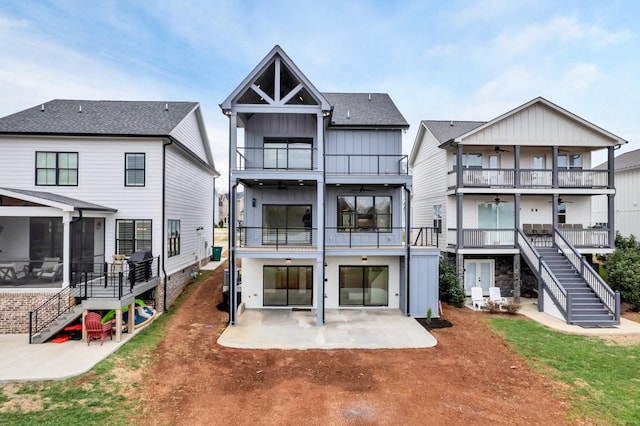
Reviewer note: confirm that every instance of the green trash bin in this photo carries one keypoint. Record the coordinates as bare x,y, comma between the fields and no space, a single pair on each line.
216,253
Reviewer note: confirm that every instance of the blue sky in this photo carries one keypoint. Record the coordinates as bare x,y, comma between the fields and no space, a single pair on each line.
449,60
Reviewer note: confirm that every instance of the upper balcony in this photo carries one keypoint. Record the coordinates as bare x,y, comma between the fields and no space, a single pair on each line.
529,178
366,164
289,157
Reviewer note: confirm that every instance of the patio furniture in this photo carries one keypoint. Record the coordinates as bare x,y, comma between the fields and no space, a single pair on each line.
53,273
9,273
495,297
47,265
96,329
477,299
117,265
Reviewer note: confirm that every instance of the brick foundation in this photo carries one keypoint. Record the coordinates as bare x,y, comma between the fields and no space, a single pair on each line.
15,308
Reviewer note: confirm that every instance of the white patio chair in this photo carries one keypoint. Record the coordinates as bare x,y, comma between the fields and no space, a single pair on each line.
47,266
52,274
477,299
9,273
495,297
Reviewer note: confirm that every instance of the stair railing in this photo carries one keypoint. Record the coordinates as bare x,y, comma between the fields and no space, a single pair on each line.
545,276
610,298
45,314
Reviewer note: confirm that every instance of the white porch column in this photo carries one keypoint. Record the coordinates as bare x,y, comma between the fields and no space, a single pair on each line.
66,248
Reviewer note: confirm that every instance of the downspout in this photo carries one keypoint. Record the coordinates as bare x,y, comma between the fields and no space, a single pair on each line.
407,230
164,222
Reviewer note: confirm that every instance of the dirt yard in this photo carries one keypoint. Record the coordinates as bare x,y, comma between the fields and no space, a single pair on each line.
470,377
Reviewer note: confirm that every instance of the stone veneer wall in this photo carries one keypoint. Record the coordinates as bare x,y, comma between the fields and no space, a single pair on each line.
175,285
15,308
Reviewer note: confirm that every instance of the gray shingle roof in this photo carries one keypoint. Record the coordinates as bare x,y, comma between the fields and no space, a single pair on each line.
63,116
444,131
61,199
364,110
627,161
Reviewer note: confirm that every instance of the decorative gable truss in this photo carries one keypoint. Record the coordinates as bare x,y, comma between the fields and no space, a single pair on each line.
276,84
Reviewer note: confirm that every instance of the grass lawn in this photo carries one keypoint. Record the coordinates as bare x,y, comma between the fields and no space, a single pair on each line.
603,378
94,398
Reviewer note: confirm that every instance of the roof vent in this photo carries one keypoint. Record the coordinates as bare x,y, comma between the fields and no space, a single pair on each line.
451,123
166,107
79,108
42,107
348,114
369,97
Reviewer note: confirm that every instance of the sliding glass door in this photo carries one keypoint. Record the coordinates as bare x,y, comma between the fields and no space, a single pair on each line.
288,285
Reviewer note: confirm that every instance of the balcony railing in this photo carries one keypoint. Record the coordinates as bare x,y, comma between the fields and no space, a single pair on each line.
277,238
540,236
370,164
530,178
285,158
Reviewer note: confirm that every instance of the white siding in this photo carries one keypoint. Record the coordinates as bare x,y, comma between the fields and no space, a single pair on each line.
188,133
538,125
429,183
189,198
100,177
627,202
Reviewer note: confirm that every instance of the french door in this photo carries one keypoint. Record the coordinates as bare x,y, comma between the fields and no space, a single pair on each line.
478,273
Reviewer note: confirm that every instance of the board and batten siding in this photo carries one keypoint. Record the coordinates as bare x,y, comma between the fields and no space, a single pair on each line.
627,202
189,135
429,182
189,199
363,151
538,125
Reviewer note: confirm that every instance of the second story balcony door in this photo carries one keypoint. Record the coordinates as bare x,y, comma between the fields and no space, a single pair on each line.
492,218
286,224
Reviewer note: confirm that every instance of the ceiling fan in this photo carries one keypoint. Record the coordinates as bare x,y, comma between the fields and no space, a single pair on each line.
497,200
498,149
561,201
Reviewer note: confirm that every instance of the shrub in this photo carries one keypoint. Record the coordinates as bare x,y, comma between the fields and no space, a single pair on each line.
512,307
450,290
623,270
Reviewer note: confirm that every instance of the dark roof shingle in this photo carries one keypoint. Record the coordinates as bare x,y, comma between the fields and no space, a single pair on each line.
364,110
83,117
444,130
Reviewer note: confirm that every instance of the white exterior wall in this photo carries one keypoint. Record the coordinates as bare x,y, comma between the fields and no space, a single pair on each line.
429,183
627,202
252,270
538,125
101,168
188,198
188,133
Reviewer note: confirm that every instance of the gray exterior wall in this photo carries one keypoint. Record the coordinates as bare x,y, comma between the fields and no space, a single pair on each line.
363,144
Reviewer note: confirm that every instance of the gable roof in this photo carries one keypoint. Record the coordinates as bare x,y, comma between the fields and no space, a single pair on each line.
262,66
443,130
364,110
540,100
626,161
84,117
54,200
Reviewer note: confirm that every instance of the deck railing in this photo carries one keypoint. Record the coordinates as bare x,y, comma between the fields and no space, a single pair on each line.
366,164
608,297
529,178
546,279
284,158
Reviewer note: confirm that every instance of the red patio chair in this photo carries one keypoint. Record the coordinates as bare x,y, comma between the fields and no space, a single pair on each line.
96,329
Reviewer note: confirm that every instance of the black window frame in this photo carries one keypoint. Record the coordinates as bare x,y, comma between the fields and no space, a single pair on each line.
356,217
57,168
173,237
133,241
288,267
363,268
286,142
127,169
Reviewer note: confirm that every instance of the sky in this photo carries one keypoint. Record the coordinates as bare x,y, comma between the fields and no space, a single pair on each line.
438,60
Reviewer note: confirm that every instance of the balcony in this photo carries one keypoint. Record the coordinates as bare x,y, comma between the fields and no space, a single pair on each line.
292,238
281,158
529,178
369,164
540,236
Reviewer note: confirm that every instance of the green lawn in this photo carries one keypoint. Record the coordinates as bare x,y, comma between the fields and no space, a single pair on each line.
604,378
94,398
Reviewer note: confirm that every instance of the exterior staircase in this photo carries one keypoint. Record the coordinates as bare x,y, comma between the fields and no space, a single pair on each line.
57,325
585,307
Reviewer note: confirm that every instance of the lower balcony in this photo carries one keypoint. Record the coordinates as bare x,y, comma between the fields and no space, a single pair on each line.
540,234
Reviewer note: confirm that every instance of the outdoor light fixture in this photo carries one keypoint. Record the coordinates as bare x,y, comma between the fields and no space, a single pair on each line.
253,202
98,225
287,261
364,259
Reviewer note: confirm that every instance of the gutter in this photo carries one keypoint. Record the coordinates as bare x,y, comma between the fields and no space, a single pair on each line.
164,222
